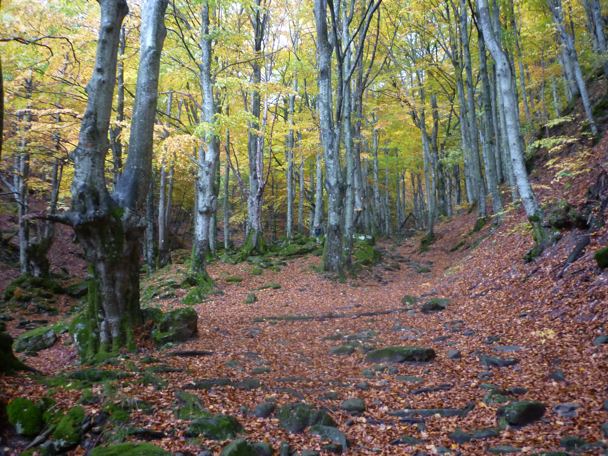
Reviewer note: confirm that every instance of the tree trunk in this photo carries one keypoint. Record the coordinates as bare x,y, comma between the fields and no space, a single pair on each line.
571,59
289,156
116,131
109,228
207,154
317,228
332,258
512,130
301,195
226,202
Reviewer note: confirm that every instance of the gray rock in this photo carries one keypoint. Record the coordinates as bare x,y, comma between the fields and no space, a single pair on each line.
521,413
35,340
402,354
600,340
567,410
434,305
460,436
296,417
264,409
454,354
330,433
504,449
353,405
239,447
494,361
215,427
605,430
177,325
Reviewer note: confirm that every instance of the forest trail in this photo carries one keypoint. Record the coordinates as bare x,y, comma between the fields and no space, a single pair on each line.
305,340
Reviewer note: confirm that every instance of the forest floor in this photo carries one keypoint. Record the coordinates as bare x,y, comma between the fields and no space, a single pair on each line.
282,348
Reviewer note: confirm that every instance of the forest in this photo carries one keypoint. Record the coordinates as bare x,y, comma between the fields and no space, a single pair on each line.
257,227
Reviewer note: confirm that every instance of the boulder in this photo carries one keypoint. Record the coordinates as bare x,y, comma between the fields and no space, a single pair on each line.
435,305
215,427
25,416
177,325
264,409
239,447
401,354
521,413
37,339
296,417
353,405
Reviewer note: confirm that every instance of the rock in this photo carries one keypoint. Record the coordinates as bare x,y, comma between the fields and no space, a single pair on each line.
567,410
78,290
459,436
296,417
8,362
407,440
409,301
446,412
521,413
606,405
69,428
605,430
264,409
435,305
263,449
504,449
401,354
507,348
558,375
251,298
310,453
454,354
129,449
494,361
37,339
177,325
239,447
353,405
409,379
215,427
284,449
600,340
601,257
347,349
363,386
330,433
25,416
432,389
572,443
248,384
188,406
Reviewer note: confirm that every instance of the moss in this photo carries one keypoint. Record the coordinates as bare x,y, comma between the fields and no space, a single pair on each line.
271,286
239,447
401,354
25,416
203,287
215,427
256,271
364,254
130,449
68,428
33,285
234,279
251,298
149,378
176,326
39,338
118,413
601,257
188,406
409,300
479,224
427,241
298,416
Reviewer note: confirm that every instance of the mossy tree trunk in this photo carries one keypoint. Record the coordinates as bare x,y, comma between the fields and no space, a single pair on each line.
109,227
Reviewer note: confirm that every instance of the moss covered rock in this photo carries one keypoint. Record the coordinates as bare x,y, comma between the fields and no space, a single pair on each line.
25,416
68,428
176,326
38,339
401,355
521,413
296,417
435,305
601,257
239,447
215,427
129,449
187,406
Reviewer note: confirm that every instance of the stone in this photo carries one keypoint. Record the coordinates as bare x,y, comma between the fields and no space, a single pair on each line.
445,412
605,430
35,340
521,413
566,410
572,443
298,416
188,406
558,375
177,325
601,257
402,354
494,361
504,449
460,436
347,349
434,305
215,427
600,340
454,354
264,409
407,440
129,449
239,447
353,405
69,427
330,433
25,416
